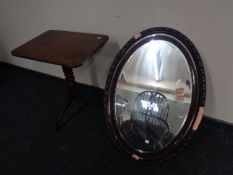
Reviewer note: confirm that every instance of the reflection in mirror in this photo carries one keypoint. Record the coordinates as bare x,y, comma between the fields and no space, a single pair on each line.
153,96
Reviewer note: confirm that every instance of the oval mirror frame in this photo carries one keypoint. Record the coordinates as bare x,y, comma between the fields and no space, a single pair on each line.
198,93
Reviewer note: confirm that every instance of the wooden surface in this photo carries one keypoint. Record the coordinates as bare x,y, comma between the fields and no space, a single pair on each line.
70,49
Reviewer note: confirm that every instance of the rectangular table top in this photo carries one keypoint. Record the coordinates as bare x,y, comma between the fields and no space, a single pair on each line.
70,49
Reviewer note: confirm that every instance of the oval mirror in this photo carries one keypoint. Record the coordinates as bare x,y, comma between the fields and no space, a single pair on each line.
155,93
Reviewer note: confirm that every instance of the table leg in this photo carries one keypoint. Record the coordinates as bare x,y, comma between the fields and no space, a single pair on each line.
70,83
71,93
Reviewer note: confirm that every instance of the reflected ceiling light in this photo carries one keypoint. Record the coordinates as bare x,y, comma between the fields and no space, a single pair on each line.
154,53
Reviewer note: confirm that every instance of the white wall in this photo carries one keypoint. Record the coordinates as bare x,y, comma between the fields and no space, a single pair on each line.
208,23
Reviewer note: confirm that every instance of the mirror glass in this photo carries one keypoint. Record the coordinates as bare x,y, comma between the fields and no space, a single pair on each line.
153,96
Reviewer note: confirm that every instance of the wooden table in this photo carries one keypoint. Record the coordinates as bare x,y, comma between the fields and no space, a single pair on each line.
68,49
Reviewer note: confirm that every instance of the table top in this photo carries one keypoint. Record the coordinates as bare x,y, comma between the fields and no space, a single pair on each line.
70,49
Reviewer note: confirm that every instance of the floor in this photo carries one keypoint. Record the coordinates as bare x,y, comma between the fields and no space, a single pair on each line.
29,143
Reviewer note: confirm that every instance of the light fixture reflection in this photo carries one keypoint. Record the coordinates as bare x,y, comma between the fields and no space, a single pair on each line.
154,54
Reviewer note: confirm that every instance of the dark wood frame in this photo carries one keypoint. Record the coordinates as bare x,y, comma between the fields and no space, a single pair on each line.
198,85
